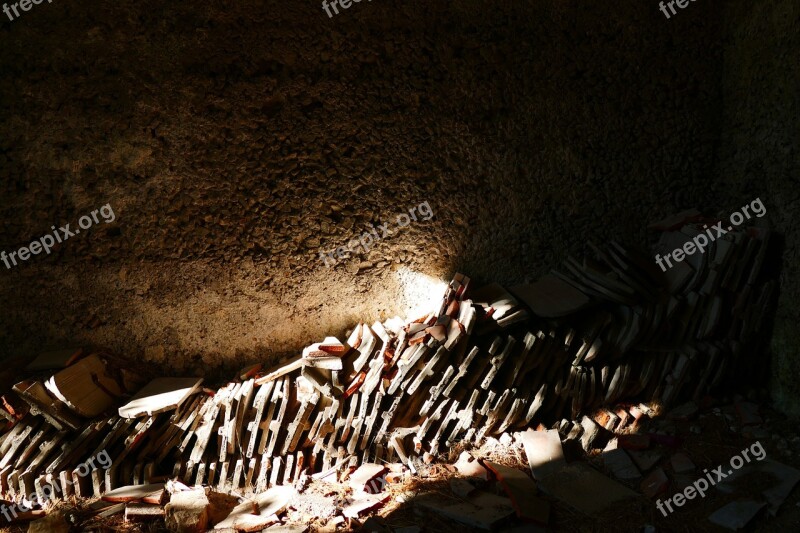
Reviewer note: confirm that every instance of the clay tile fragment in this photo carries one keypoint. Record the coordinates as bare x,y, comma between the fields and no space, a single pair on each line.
438,332
332,345
365,478
468,466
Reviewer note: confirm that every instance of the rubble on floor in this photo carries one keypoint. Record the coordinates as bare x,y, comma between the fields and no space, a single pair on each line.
568,353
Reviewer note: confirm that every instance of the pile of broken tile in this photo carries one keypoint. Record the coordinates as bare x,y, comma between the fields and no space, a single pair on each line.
625,460
665,455
490,361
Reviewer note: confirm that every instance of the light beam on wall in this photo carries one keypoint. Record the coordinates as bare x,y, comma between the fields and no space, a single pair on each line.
422,293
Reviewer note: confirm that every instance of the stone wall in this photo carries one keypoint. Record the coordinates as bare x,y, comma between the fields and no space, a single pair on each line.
236,142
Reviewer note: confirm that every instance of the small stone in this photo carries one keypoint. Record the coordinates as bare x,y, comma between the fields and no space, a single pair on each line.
187,512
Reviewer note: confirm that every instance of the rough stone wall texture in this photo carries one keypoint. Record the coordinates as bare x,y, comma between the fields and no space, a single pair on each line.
234,142
760,152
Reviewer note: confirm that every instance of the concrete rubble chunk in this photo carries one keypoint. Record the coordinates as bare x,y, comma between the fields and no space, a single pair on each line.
188,512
